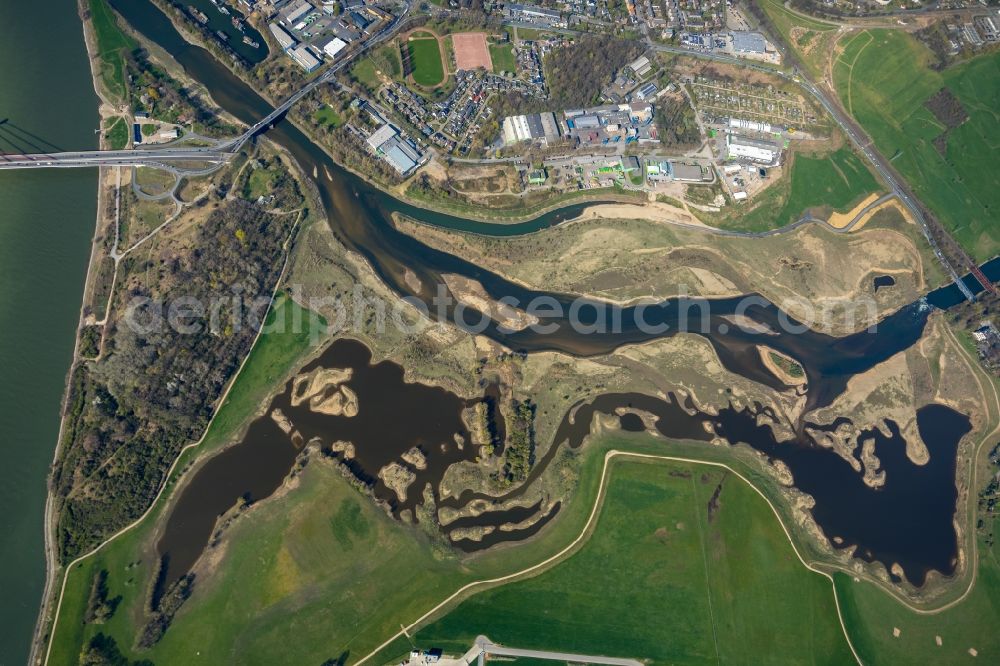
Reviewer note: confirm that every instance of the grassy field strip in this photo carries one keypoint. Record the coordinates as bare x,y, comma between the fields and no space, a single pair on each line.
850,67
585,533
708,588
222,399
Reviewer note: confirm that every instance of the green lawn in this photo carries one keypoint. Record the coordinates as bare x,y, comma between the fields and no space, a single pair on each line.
425,56
838,181
662,581
883,79
502,56
110,42
328,117
117,134
365,73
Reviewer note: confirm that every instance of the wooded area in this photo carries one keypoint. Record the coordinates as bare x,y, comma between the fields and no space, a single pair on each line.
156,386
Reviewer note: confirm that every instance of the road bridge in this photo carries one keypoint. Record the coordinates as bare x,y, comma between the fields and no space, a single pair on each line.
164,158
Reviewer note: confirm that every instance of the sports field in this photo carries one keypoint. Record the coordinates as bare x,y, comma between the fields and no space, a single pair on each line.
425,58
471,50
883,79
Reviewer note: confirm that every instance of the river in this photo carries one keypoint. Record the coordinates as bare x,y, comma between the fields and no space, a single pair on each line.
360,217
44,249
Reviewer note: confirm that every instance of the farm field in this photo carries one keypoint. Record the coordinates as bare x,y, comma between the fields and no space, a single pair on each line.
883,79
686,579
425,58
295,569
834,182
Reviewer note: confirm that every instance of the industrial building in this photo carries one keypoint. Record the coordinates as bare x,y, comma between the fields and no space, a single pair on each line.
535,15
641,66
749,42
334,46
397,150
281,35
663,170
755,150
612,123
752,125
305,58
533,127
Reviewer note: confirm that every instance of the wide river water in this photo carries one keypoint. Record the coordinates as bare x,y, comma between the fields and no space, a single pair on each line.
46,223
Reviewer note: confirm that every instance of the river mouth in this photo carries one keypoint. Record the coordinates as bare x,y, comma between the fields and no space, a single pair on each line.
360,218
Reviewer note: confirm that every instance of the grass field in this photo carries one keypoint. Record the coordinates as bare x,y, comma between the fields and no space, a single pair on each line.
832,182
117,134
365,72
883,79
126,559
425,56
110,42
328,117
502,56
669,584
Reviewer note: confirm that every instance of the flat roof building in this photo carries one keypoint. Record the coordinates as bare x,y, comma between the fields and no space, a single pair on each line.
380,136
764,152
285,40
305,58
296,12
334,46
535,126
749,42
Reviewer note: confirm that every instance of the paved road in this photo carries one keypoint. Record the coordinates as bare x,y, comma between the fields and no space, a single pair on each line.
151,157
498,650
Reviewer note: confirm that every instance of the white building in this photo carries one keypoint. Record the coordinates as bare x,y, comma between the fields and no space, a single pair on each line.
763,152
515,129
380,136
334,46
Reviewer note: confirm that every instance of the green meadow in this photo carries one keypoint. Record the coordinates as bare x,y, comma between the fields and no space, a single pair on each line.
110,42
883,79
666,578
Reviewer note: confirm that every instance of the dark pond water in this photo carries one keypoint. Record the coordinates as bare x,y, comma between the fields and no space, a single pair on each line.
360,216
881,281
